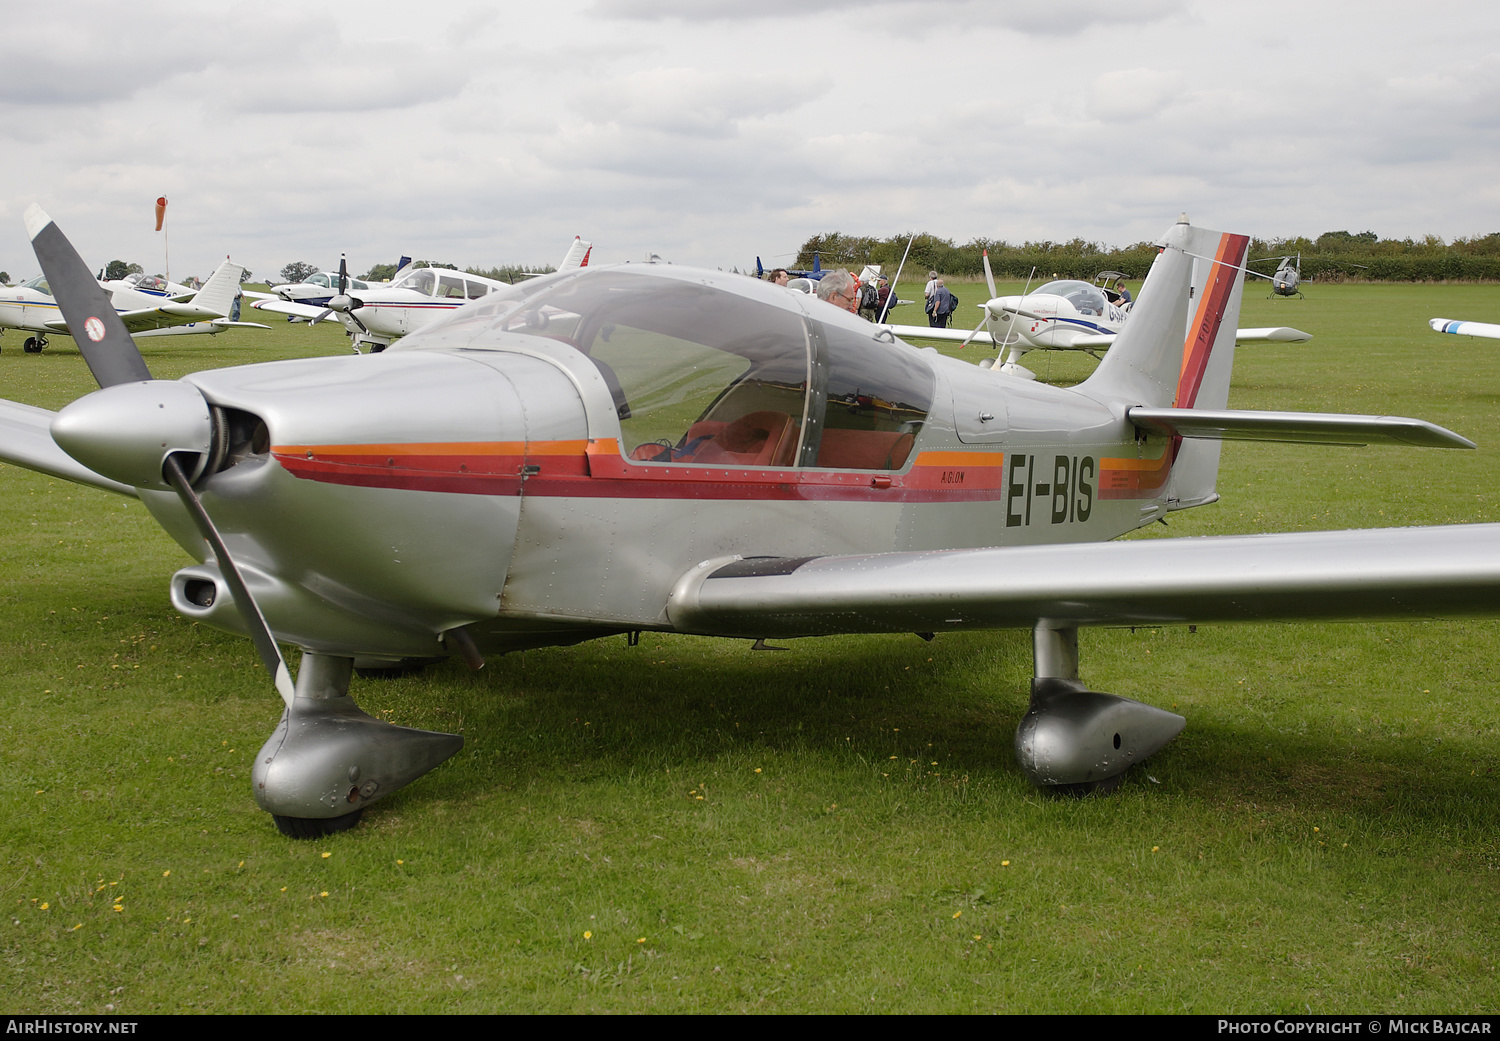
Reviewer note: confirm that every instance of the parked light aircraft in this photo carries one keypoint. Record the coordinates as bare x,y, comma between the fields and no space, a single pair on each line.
375,317
1462,328
1066,315
31,306
606,451
317,289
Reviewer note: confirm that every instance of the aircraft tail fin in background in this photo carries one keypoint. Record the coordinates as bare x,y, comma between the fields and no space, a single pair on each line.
217,294
1178,347
1177,350
577,255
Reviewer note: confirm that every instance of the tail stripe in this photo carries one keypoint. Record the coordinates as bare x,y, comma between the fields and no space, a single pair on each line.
1200,343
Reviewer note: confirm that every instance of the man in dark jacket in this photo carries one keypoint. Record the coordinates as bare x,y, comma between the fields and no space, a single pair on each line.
940,306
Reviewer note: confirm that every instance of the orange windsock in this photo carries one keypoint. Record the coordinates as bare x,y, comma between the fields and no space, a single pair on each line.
161,211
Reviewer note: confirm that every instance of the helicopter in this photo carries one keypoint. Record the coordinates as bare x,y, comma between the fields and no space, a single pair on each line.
1287,277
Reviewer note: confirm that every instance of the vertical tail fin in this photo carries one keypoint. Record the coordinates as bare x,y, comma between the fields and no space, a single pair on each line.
1177,348
219,291
577,254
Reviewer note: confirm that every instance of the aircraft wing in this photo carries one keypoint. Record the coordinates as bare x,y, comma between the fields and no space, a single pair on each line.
26,440
225,323
164,317
1447,325
1100,341
922,332
1411,573
1276,334
305,312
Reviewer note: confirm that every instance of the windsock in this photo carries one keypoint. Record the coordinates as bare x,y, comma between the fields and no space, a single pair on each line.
161,211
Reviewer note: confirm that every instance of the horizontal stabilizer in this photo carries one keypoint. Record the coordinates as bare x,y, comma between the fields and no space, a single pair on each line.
1298,427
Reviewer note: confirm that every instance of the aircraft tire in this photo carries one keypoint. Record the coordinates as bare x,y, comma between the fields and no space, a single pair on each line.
1085,789
315,827
33,345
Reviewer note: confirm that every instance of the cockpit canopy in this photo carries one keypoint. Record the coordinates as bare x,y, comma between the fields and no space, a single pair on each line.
330,280
39,283
1086,299
713,369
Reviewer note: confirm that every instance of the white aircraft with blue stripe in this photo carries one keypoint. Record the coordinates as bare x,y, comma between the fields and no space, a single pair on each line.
1064,315
31,307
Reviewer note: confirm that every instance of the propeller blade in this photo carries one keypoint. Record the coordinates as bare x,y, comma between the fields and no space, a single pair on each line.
113,358
92,320
320,316
260,632
989,276
343,274
975,332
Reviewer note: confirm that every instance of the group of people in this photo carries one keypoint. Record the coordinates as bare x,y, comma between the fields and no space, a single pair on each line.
840,287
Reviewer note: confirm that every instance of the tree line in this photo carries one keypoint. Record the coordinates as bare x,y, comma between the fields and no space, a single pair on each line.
1333,255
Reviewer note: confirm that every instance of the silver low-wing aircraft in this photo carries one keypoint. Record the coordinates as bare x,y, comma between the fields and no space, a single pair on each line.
632,448
1066,315
31,306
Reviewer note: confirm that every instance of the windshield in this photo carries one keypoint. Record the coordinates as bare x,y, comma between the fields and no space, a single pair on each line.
418,282
39,283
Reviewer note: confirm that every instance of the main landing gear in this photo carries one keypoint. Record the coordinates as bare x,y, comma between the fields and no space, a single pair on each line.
34,344
327,760
1076,741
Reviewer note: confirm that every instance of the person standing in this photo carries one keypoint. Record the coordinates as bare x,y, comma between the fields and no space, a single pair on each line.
940,306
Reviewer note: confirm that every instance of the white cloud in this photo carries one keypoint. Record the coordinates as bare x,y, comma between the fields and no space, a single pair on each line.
707,133
1132,94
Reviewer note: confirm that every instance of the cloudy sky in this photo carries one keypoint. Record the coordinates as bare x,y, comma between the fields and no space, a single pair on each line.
492,133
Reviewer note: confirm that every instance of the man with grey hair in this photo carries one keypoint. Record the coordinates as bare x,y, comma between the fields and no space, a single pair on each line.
840,289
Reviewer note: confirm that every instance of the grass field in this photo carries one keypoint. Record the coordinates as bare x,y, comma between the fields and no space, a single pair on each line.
690,826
